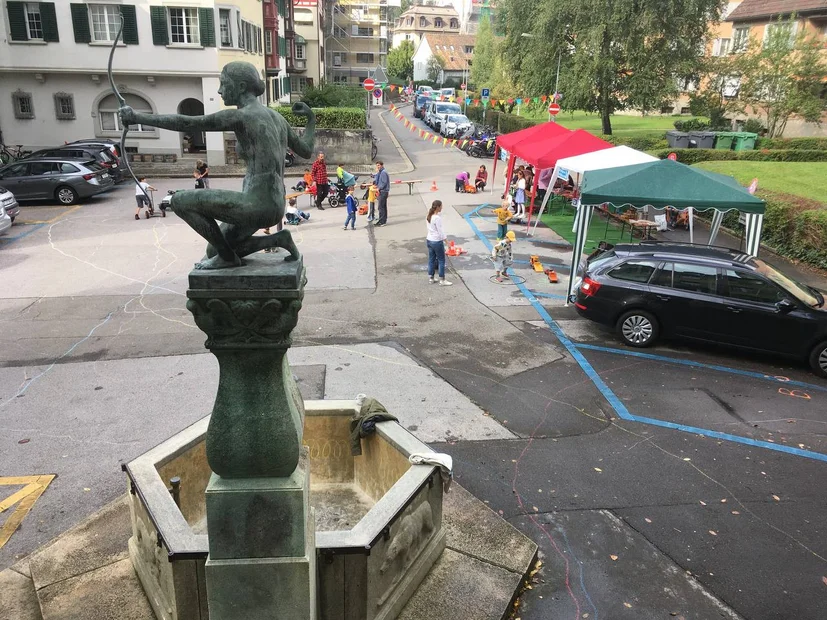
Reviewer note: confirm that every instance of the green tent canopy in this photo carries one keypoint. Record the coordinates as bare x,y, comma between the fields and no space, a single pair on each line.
667,183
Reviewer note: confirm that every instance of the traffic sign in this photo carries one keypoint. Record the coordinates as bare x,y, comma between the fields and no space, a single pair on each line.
554,109
463,86
377,92
369,84
672,156
485,93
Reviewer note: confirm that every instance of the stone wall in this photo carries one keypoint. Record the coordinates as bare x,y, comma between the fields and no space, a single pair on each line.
340,146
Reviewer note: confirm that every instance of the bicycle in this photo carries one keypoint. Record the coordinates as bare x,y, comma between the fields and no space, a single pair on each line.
10,154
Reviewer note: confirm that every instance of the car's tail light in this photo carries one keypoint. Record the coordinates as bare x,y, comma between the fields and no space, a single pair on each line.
106,164
89,177
589,287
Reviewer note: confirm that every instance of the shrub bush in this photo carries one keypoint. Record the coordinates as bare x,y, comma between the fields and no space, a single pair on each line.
693,156
692,124
753,125
327,118
641,143
796,228
804,144
335,96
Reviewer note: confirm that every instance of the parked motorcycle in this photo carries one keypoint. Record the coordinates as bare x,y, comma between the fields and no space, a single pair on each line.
289,158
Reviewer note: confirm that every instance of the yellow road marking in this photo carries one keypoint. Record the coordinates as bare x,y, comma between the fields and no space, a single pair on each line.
54,219
24,498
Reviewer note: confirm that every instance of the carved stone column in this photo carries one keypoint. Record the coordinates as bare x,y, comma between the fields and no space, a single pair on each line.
260,524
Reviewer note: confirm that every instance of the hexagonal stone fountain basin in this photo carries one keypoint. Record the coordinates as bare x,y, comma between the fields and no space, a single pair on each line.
378,518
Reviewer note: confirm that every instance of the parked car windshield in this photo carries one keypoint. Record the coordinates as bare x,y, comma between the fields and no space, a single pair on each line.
459,119
798,290
422,100
447,108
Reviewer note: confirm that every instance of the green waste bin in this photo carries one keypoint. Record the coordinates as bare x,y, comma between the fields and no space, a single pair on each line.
745,141
724,140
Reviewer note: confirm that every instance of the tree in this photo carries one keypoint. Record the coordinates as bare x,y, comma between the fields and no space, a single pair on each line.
615,54
782,76
400,61
716,97
485,54
434,67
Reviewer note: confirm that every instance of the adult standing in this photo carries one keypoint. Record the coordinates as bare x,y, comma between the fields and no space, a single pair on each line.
383,184
319,173
436,244
202,174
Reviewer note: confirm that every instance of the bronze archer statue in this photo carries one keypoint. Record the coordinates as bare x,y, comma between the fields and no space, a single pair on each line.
263,137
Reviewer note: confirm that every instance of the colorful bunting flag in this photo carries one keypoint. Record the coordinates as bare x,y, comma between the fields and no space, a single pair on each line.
519,102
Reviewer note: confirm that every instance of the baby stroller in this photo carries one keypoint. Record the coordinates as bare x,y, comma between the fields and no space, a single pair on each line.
338,193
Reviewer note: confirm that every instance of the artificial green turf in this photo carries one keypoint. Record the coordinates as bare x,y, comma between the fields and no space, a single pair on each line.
806,179
561,220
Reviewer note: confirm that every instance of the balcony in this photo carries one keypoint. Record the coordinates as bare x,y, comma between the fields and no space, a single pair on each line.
299,65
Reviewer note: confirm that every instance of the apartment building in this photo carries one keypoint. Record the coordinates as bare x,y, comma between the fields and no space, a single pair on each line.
279,51
309,56
471,12
357,40
53,60
456,51
754,18
420,20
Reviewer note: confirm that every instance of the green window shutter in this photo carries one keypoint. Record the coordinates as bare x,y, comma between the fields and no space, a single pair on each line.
206,22
282,47
158,17
285,85
17,21
47,14
130,24
282,8
80,23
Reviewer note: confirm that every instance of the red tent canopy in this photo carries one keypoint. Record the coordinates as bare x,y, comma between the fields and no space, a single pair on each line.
544,153
543,131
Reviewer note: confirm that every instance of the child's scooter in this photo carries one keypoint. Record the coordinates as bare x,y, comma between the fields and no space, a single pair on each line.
149,210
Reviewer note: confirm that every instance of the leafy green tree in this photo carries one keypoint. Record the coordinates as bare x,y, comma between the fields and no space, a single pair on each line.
615,54
716,96
782,76
400,61
434,67
485,55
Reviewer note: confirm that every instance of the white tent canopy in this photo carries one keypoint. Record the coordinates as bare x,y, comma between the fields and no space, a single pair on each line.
599,160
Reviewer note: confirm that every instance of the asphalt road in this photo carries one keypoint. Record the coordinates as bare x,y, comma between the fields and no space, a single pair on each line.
684,482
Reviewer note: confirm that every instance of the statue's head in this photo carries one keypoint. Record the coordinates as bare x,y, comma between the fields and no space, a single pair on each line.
238,78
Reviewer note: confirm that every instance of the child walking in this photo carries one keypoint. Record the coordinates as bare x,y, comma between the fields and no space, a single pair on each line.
141,190
351,208
503,217
503,255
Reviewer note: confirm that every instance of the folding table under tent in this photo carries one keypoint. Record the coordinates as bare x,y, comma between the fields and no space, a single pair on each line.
666,183
542,151
597,160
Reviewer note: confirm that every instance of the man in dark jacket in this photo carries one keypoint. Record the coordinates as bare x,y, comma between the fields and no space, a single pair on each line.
383,182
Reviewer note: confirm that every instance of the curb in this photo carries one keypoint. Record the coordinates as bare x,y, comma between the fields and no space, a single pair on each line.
410,165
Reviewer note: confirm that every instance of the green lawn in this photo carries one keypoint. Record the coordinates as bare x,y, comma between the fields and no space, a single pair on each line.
561,220
806,179
621,124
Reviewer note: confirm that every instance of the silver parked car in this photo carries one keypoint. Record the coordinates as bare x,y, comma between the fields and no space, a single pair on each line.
9,203
5,220
63,180
455,125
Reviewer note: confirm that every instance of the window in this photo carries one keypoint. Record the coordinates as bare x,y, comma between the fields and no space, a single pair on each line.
695,278
469,49
18,170
301,51
663,277
302,16
454,23
225,27
298,83
64,106
749,287
34,22
110,122
422,22
740,38
780,32
68,168
183,27
438,22
720,47
364,58
37,168
268,42
634,271
365,32
105,20
23,105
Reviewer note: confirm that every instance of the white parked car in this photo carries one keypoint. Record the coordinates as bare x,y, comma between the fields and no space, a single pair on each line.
455,125
438,111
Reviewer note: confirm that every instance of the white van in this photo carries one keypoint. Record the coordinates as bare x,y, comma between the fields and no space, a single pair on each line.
438,111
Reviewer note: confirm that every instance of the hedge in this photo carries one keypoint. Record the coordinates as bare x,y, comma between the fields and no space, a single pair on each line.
796,228
804,144
641,143
694,156
327,118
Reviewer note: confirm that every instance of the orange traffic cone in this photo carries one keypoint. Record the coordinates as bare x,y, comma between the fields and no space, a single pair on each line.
433,186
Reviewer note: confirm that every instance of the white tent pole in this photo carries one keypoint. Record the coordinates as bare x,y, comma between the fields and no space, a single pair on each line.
577,247
691,215
754,225
717,218
542,210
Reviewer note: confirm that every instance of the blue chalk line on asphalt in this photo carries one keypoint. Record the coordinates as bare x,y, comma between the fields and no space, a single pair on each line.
616,404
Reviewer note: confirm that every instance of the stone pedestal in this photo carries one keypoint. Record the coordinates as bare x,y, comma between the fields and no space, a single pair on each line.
261,561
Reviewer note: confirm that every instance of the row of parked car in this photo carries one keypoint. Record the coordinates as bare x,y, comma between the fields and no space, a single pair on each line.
66,173
443,117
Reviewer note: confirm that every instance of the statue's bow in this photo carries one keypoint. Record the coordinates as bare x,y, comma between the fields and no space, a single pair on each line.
122,102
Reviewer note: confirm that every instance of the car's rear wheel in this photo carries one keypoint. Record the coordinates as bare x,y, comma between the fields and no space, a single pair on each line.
818,359
65,195
638,328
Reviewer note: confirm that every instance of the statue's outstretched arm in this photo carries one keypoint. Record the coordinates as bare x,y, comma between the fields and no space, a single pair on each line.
225,120
303,147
